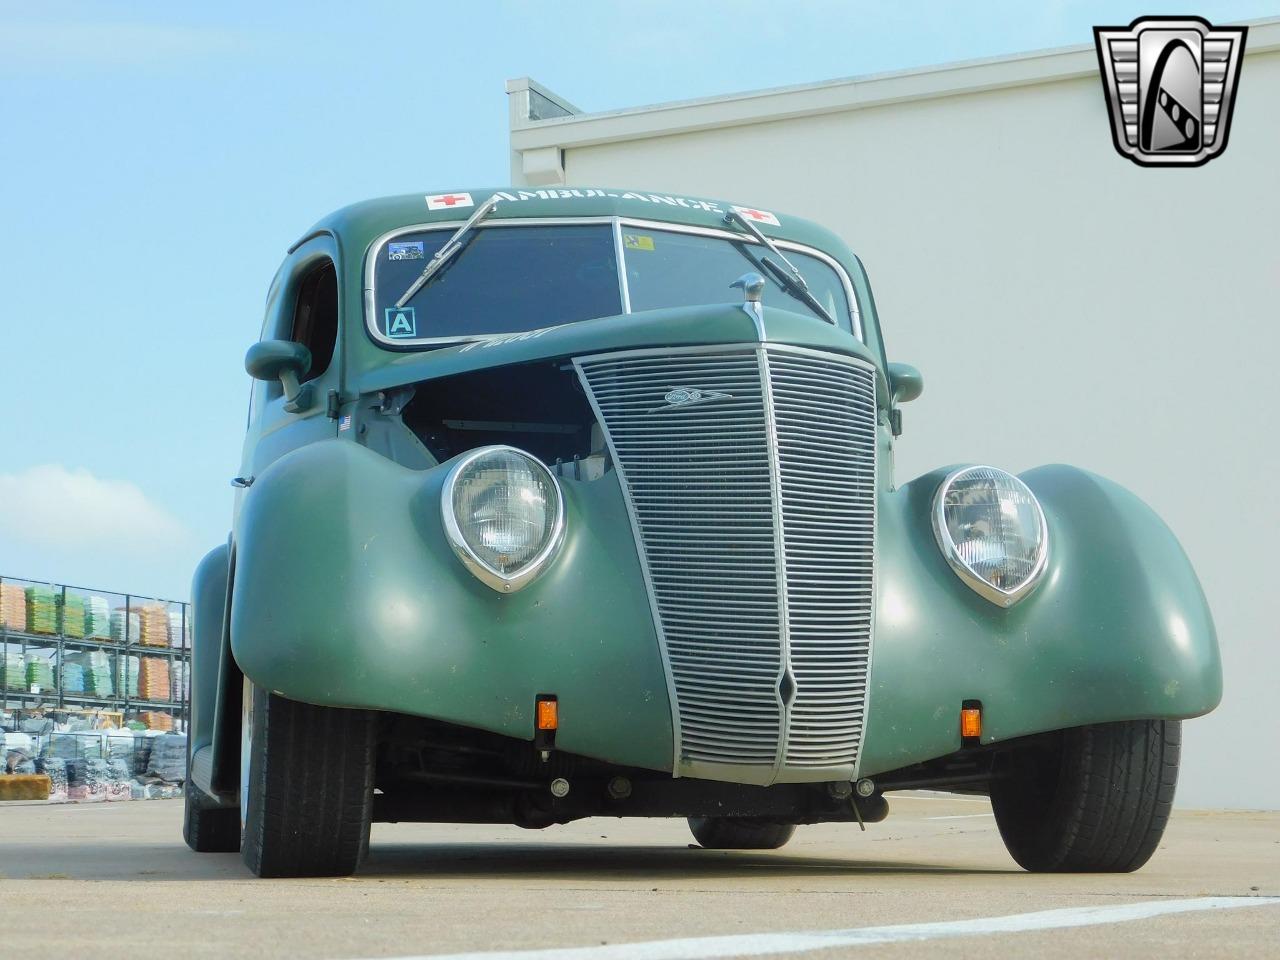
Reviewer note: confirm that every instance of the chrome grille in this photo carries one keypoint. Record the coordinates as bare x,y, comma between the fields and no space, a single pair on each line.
825,413
749,474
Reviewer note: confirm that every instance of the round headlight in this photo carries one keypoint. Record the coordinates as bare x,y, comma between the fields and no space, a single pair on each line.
992,531
504,516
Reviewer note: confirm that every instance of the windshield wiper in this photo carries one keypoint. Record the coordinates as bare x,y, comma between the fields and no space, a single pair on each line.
791,279
449,250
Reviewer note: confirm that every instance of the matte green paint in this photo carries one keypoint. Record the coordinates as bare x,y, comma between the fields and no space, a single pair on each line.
346,592
1117,629
208,616
905,382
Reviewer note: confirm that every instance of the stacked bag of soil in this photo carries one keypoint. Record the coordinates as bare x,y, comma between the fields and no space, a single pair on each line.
87,780
125,626
177,630
72,677
39,673
97,618
42,610
73,616
12,669
155,720
97,673
56,771
127,676
180,681
119,780
13,607
18,755
169,758
142,755
153,679
154,625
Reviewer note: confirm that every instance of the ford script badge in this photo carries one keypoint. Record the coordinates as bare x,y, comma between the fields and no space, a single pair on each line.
687,396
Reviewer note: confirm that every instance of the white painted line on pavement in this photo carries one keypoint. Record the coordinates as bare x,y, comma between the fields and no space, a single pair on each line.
962,816
760,944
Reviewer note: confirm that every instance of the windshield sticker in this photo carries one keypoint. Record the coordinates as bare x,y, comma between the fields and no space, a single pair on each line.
448,201
759,216
406,250
637,241
401,322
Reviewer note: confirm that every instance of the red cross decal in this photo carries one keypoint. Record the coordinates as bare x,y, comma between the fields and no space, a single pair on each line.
755,214
449,199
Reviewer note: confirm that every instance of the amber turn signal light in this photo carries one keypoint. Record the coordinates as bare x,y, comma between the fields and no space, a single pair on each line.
971,722
548,714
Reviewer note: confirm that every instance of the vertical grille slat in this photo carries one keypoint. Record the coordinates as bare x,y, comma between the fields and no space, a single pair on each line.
755,520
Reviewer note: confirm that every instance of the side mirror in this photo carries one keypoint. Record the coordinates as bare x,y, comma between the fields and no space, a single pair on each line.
905,382
282,360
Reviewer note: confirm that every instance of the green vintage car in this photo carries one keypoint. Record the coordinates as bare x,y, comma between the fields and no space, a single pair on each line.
566,503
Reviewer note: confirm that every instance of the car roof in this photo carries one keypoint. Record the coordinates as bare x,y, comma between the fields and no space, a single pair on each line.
360,224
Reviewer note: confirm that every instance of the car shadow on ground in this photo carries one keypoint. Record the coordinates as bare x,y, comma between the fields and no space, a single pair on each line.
479,862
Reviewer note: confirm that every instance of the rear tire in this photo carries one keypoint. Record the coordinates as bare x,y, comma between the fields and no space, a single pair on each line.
740,833
206,826
1095,800
309,796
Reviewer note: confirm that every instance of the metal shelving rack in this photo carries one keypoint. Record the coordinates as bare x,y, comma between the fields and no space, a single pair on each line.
59,643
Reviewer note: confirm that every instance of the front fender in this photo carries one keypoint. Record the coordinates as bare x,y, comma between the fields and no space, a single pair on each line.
208,610
1118,629
347,594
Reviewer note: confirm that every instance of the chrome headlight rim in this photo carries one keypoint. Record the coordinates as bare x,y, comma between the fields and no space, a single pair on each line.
482,571
998,596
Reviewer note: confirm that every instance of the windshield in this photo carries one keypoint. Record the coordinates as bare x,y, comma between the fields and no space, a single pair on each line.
513,278
505,280
670,269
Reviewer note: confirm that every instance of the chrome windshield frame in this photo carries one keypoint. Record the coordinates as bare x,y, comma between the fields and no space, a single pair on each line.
616,224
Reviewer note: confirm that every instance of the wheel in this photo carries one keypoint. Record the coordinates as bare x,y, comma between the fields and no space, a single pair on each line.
206,826
306,786
740,833
1095,800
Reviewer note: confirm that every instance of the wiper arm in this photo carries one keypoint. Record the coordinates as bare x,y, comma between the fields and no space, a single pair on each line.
791,280
449,250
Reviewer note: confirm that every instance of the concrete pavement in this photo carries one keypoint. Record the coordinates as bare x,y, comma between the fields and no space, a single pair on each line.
77,880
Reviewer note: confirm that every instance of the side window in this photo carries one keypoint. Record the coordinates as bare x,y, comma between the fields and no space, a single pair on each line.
315,318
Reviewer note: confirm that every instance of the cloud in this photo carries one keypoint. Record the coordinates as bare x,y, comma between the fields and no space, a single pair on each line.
56,508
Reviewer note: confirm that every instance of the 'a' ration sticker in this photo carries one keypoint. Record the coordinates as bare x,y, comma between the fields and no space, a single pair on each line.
402,322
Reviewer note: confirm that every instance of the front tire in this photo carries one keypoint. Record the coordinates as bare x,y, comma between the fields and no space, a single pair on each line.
1095,799
740,833
307,798
208,827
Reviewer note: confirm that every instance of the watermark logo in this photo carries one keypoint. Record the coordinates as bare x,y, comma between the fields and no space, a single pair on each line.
1170,84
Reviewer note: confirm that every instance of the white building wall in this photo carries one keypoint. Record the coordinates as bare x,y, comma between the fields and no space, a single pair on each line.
1063,304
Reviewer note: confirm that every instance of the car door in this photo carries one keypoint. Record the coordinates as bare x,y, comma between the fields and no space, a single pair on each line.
303,305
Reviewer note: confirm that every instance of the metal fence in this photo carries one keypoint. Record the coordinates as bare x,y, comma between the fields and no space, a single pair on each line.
73,649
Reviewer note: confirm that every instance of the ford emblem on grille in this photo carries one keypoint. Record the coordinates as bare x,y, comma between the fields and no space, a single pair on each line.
687,396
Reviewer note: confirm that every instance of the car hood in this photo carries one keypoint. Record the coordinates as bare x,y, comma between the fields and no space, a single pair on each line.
674,327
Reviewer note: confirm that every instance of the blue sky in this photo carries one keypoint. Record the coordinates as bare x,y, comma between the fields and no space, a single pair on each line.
158,158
